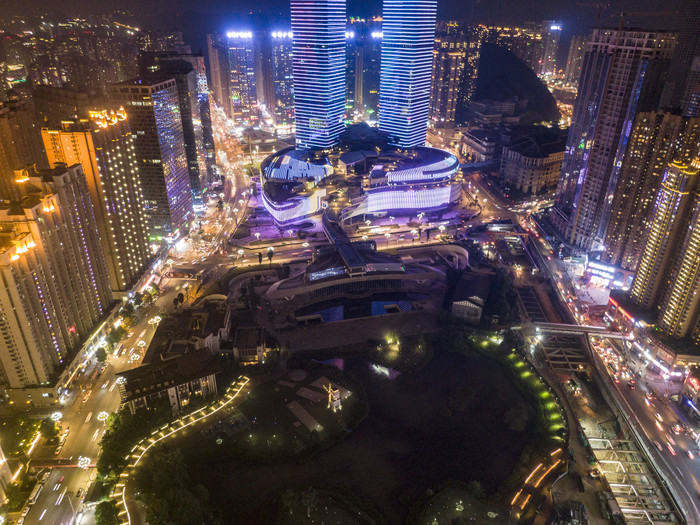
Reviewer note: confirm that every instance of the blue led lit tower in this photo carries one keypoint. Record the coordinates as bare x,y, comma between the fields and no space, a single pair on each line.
408,28
318,52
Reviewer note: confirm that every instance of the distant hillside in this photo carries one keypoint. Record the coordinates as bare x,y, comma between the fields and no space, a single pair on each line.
502,76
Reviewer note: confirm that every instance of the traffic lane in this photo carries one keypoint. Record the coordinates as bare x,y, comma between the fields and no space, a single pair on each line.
656,419
57,487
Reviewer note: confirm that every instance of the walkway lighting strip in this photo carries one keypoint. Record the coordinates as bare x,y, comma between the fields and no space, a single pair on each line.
158,435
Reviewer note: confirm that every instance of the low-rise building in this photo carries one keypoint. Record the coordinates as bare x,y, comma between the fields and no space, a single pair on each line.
531,164
178,379
470,297
180,364
481,145
249,344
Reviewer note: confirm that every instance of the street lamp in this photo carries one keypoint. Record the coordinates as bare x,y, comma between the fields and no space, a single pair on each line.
388,236
290,232
56,416
257,235
102,416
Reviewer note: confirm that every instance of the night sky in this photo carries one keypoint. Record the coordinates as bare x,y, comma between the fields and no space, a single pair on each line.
198,17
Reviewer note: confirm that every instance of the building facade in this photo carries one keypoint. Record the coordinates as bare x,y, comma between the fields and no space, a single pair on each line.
408,38
622,74
667,228
282,80
104,146
657,138
153,110
20,143
218,71
531,165
242,82
318,55
574,60
55,286
551,33
448,67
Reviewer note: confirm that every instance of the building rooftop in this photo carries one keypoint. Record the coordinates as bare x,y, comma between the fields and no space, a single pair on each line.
248,337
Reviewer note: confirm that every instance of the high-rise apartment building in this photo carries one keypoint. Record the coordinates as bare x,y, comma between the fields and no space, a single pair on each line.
56,104
408,28
218,71
318,54
55,286
195,95
152,66
667,229
679,310
20,143
551,33
104,147
449,56
622,74
283,80
574,59
657,138
153,111
242,82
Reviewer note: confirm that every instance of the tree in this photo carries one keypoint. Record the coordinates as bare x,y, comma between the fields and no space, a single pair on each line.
270,254
138,299
260,256
101,355
127,310
106,513
180,298
48,429
175,302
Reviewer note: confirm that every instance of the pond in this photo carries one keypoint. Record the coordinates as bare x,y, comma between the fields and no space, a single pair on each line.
458,418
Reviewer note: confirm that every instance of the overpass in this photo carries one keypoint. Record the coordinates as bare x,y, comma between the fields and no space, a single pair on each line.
575,329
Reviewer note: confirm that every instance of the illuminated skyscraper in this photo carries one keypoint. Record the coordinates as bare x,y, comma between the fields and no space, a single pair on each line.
667,228
218,71
319,71
104,147
153,110
657,138
408,28
242,86
551,32
55,283
449,57
679,311
282,80
622,74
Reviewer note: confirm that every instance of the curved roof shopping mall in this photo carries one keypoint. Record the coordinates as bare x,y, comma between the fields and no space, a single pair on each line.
362,176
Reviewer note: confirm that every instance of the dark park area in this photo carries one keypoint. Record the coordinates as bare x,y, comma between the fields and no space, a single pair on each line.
459,418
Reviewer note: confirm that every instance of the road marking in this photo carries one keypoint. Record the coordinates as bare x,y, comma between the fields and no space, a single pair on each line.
96,434
60,498
112,387
42,515
89,417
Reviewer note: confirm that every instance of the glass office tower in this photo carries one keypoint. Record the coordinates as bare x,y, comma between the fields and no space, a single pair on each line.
318,52
408,28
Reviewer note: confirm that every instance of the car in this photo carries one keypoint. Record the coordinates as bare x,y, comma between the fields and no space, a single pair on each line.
670,449
594,473
649,395
677,428
25,511
631,384
79,493
690,454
